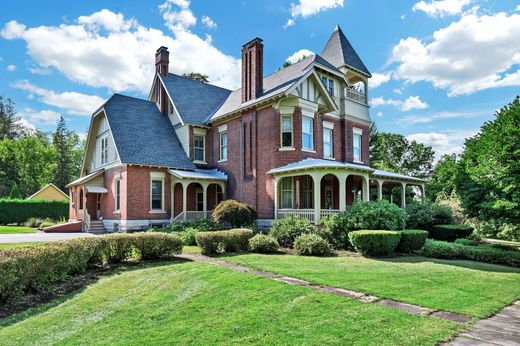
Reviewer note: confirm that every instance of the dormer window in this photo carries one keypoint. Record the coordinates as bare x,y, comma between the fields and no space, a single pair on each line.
104,150
329,84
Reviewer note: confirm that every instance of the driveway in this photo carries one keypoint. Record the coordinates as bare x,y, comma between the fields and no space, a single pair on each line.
40,237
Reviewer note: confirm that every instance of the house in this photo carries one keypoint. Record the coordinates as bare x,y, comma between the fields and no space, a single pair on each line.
50,192
295,142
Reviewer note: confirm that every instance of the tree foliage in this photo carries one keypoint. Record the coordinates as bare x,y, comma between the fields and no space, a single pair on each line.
68,162
197,76
443,179
10,126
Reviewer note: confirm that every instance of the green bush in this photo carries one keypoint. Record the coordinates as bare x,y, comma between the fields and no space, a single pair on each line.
312,245
201,225
36,268
188,236
465,241
449,232
412,240
481,253
262,243
420,215
375,243
442,214
33,222
334,230
211,243
20,210
287,229
233,214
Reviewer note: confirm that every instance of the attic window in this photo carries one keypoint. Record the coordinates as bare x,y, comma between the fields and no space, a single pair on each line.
329,84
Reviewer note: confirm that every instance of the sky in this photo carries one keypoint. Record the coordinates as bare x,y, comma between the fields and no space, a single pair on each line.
440,68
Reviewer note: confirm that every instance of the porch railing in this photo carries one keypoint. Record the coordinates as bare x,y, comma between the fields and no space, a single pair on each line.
356,96
328,212
306,213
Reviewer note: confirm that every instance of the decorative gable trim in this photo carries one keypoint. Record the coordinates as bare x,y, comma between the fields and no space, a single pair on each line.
158,76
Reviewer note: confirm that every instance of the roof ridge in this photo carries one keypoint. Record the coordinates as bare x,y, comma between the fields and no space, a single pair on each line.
197,81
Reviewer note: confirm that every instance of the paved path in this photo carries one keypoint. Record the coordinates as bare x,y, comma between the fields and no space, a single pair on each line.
40,237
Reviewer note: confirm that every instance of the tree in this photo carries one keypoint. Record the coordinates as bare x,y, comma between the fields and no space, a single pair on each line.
443,178
488,178
197,76
66,144
10,127
15,192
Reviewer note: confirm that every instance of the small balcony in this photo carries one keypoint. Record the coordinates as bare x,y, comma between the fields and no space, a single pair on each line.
356,96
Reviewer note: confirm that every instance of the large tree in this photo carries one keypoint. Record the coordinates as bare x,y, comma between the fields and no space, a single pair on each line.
443,179
10,126
488,179
68,161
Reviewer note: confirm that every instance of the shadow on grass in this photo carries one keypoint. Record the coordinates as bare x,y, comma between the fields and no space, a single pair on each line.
33,304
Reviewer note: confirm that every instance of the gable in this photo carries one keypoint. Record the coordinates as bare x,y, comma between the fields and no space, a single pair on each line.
49,193
98,132
311,88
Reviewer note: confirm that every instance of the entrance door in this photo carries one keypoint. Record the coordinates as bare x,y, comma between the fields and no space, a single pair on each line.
200,200
329,197
98,205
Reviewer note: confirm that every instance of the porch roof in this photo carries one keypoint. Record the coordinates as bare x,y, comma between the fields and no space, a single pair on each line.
309,163
85,178
396,176
96,189
199,174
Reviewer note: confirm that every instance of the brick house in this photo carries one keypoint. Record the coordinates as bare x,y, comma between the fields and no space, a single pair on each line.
295,142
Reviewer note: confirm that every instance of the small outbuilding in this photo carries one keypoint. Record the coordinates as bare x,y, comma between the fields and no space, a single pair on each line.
50,192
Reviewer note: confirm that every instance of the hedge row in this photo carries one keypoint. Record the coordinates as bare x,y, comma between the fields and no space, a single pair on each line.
211,243
412,240
481,253
35,268
375,243
20,210
450,232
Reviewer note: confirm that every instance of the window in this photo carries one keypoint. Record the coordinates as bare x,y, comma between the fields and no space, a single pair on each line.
307,133
357,147
287,193
118,195
104,150
327,143
287,131
329,84
223,146
198,146
157,194
307,192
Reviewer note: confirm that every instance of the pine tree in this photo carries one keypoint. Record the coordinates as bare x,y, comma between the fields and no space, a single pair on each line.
15,192
66,143
10,126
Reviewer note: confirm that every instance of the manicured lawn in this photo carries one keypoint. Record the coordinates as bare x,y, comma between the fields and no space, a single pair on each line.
471,288
16,229
190,249
195,303
17,245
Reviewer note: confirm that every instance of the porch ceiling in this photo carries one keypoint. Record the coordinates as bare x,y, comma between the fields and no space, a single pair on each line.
199,174
312,164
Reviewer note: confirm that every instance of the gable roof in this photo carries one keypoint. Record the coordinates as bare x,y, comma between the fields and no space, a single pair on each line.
339,52
195,101
143,135
53,188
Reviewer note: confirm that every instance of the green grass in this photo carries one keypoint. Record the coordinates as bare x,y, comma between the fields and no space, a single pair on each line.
191,249
16,229
471,288
18,245
196,303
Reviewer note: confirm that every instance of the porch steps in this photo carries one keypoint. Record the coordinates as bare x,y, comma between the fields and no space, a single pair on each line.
96,226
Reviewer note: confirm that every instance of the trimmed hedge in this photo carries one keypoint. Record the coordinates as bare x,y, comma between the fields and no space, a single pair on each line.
233,214
468,242
20,210
375,243
481,253
35,268
312,245
262,243
211,243
449,232
412,240
286,230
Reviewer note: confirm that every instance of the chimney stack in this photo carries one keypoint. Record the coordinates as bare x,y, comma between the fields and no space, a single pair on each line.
162,58
252,69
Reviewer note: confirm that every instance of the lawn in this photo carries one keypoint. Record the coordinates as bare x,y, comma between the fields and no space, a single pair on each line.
196,303
16,229
471,288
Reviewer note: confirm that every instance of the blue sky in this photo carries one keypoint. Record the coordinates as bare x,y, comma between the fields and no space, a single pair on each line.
441,68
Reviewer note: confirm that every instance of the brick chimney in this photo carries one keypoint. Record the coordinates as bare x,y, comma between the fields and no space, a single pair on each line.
252,69
162,58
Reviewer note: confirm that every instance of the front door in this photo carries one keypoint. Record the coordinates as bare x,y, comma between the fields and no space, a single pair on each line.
98,205
329,197
92,205
200,200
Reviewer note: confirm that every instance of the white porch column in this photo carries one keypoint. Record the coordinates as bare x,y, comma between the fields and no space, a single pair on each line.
423,193
316,177
403,195
172,199
275,186
184,199
342,192
379,190
205,198
366,188
391,195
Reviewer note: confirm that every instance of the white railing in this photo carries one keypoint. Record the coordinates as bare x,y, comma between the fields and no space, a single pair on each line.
192,215
328,212
356,96
302,213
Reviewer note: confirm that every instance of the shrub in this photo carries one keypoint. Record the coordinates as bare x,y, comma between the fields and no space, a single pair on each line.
119,247
33,222
233,214
375,243
155,246
201,225
312,245
465,241
262,243
20,210
412,240
188,236
211,243
420,215
442,214
287,229
334,230
449,232
374,215
509,231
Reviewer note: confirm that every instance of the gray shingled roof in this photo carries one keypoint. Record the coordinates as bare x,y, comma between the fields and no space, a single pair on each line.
338,51
143,135
195,101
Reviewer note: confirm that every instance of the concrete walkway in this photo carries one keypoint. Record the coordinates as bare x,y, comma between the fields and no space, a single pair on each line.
40,237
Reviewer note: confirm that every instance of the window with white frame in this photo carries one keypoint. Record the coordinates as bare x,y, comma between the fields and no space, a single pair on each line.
104,150
328,146
118,195
157,191
357,144
307,192
307,133
329,84
287,131
286,193
198,148
223,146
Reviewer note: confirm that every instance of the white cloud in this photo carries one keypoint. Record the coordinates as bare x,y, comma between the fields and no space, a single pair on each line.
71,101
472,54
412,102
40,71
379,114
378,79
210,23
11,68
299,55
47,116
443,143
398,91
423,119
441,8
517,8
27,125
121,56
308,8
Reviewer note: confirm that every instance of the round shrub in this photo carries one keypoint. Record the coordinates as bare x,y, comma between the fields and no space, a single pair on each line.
312,245
335,230
375,243
449,232
233,214
420,215
374,215
287,229
412,240
262,243
211,243
188,236
442,214
156,245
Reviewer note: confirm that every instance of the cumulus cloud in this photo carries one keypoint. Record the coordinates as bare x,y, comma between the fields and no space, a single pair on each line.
423,119
441,8
450,142
105,49
379,78
412,102
27,125
398,91
40,71
210,23
308,8
379,114
299,55
475,53
11,68
47,116
72,102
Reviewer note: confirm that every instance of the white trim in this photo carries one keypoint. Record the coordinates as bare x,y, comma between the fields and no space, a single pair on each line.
286,149
328,125
43,188
195,134
291,147
222,128
199,131
331,142
220,145
157,176
169,96
312,148
117,180
309,151
357,131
